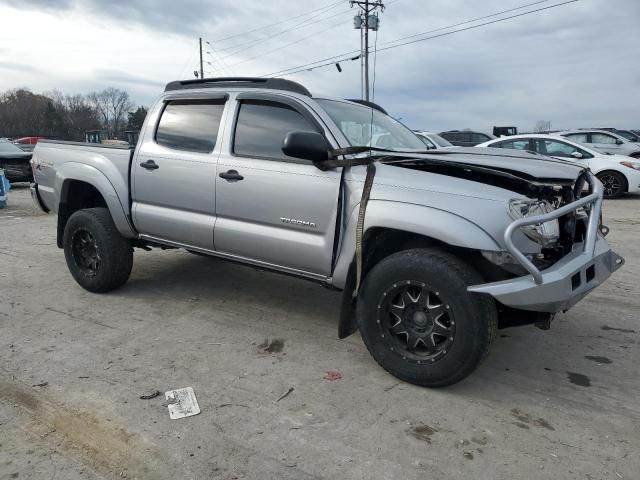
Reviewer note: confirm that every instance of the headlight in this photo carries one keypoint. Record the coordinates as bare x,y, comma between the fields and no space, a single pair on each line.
634,165
546,233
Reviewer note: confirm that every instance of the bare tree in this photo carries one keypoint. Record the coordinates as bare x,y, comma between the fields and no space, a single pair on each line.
542,126
77,113
56,115
111,106
23,113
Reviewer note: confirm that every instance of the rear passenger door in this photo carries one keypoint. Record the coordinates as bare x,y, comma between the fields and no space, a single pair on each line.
605,143
173,172
271,208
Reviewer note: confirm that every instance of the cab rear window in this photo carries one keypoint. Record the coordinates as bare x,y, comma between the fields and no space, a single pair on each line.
190,125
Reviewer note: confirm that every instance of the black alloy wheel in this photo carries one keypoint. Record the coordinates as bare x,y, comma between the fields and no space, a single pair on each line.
98,257
86,252
418,319
613,184
415,322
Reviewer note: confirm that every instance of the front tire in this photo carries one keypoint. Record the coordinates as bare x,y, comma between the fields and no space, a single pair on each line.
418,320
614,184
98,257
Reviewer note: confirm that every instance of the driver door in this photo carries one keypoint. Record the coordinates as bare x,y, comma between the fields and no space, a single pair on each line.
271,208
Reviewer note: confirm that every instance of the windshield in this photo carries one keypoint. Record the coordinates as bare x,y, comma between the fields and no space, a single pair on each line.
439,140
9,148
366,127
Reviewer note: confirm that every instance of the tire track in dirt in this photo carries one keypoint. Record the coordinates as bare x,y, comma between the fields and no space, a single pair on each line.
103,445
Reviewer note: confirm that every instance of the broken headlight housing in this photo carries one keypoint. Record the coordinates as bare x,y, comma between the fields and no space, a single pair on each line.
545,234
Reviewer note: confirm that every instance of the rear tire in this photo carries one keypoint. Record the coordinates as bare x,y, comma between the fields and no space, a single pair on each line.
98,257
615,184
418,320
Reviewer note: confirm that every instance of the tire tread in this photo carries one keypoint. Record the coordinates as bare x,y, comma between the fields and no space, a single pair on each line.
470,277
116,249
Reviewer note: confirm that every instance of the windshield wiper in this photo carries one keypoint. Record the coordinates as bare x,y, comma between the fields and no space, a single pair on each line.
361,149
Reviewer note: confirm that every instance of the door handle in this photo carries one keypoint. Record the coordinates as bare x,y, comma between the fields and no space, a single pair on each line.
231,175
150,165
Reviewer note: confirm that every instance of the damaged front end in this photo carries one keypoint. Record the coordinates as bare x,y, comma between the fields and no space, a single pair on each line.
554,251
566,269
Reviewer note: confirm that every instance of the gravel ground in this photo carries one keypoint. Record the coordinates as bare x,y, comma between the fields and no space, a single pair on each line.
560,404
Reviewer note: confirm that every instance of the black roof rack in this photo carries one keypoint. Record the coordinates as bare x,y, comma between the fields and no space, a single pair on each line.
367,103
245,82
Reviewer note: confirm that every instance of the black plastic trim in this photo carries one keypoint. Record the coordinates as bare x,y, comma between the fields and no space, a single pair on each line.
234,82
367,103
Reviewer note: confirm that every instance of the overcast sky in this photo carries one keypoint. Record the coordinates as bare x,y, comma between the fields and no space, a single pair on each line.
576,65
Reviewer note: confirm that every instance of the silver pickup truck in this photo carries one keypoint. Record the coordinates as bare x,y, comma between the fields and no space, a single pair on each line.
433,250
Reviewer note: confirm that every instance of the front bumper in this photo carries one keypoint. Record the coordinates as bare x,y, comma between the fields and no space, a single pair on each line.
564,284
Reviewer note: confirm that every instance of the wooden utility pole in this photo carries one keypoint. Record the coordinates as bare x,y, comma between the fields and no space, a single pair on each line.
201,65
366,20
366,50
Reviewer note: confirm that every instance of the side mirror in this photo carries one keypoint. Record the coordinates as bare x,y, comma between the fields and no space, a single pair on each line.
619,142
306,145
576,155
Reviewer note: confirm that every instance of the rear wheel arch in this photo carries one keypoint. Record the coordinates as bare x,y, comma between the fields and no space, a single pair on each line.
76,195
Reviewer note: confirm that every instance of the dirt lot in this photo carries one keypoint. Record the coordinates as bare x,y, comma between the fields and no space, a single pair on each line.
561,404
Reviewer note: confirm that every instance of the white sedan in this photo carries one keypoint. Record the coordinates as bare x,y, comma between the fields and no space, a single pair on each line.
618,173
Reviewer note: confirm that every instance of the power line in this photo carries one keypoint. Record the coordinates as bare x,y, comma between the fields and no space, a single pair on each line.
468,21
418,34
297,26
388,45
478,26
215,56
194,53
222,39
282,47
234,50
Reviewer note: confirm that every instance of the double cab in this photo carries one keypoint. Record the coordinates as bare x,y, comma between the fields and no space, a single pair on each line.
433,250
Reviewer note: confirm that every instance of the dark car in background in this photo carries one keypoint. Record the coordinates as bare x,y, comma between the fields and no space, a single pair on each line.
466,138
629,135
15,163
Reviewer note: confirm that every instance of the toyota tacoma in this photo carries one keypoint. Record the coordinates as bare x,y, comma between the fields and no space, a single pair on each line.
433,250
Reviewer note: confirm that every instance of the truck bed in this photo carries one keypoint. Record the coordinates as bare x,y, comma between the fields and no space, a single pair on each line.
52,158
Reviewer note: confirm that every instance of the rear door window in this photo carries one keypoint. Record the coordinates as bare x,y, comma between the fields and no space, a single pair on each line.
514,144
190,125
603,138
554,148
262,126
577,137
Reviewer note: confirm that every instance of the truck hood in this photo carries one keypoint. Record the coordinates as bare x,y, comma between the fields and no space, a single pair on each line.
522,172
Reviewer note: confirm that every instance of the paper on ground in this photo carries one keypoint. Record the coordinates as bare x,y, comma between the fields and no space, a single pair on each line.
182,403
